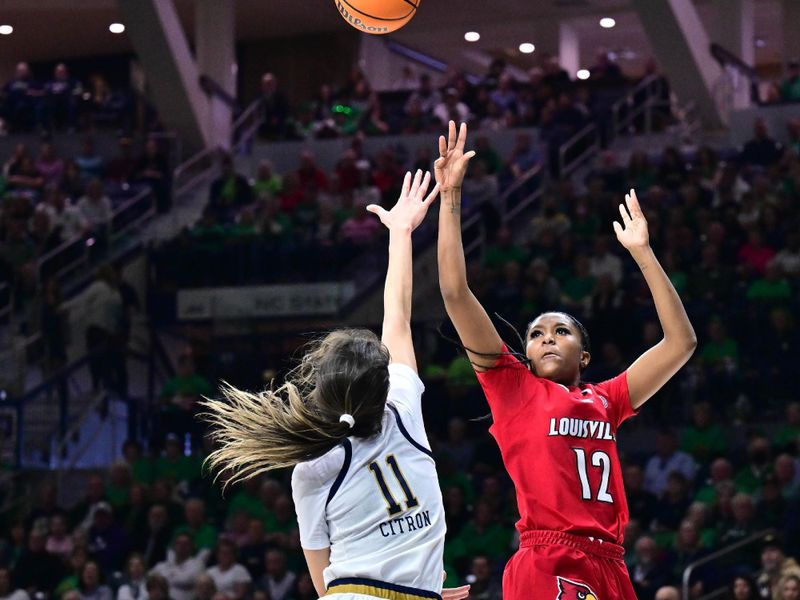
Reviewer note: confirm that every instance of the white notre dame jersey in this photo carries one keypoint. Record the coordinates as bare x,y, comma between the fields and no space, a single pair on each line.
376,503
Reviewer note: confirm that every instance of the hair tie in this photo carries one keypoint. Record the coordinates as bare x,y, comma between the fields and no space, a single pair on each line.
345,418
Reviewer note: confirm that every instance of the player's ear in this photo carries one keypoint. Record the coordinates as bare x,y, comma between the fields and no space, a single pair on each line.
586,358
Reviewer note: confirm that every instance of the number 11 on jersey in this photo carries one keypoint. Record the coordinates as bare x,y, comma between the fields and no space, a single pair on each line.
393,508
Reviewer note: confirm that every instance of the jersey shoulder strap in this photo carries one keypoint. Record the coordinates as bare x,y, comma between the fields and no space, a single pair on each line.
348,457
406,434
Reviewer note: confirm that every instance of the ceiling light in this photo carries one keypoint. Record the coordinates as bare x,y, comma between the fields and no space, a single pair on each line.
583,74
761,42
6,30
527,48
116,28
472,36
607,22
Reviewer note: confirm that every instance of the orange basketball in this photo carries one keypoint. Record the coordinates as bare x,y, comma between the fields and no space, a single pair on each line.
377,16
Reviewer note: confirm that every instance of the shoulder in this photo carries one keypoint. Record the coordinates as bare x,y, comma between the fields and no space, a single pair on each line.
401,375
313,473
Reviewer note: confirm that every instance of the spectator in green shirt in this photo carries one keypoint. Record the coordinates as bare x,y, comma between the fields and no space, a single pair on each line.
704,440
482,535
119,486
267,183
174,465
180,396
721,471
248,500
141,468
771,288
204,535
759,465
487,155
721,350
504,250
578,288
283,530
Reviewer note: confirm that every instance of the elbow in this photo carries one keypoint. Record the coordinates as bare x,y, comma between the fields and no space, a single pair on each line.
453,294
691,341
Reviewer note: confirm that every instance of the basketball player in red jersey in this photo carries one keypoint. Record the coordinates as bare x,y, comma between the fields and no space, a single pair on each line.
556,433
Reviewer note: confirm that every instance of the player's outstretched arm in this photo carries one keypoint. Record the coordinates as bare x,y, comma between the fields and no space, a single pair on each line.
402,220
474,327
658,364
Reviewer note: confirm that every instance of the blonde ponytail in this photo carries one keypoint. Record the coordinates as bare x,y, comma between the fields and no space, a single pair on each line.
345,372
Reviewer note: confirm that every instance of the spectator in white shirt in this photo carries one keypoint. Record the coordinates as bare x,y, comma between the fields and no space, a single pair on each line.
135,586
65,217
95,206
451,109
668,459
279,580
231,578
181,569
603,262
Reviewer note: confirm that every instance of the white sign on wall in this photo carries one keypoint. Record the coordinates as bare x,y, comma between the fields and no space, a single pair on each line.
306,299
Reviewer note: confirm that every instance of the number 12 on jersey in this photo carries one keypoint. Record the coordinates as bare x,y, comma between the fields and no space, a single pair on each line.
599,459
393,507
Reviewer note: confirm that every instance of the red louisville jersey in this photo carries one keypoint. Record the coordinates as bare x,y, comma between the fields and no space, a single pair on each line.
559,447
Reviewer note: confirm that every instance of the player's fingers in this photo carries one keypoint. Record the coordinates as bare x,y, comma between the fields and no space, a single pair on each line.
451,135
633,204
376,210
423,186
406,185
462,137
432,196
415,185
623,211
618,228
469,154
442,146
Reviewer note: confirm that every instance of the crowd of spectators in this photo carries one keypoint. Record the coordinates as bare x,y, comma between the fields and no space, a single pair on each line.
48,200
545,96
309,224
60,102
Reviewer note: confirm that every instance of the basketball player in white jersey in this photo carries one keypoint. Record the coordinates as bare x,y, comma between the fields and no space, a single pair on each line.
349,419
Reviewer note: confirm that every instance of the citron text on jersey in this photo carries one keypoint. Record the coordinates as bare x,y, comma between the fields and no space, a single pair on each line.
406,524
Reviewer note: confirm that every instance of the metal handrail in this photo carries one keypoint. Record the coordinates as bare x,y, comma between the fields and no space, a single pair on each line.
79,240
242,132
643,85
565,169
525,178
687,572
530,199
182,177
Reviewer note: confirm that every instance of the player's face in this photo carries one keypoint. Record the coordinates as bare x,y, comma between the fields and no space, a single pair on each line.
555,350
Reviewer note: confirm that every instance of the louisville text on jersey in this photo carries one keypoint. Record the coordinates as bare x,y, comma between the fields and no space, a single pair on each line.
581,428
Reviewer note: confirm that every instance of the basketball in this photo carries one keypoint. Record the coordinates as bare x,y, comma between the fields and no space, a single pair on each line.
377,16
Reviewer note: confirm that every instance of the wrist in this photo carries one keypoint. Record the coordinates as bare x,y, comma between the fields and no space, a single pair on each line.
641,253
400,231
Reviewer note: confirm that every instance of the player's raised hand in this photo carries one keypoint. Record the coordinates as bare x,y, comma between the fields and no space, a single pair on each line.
455,593
411,207
633,232
452,163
